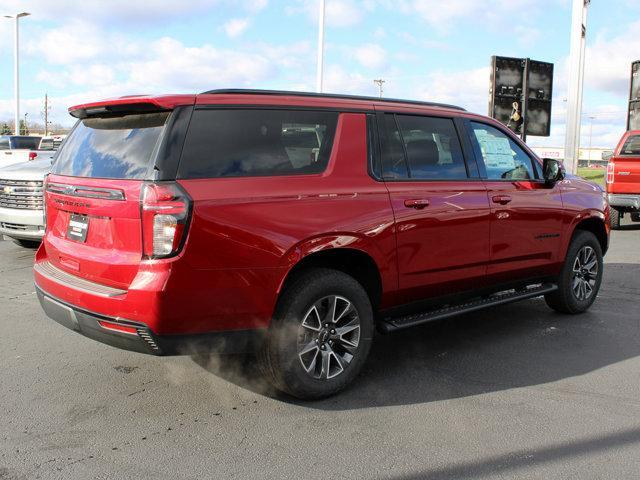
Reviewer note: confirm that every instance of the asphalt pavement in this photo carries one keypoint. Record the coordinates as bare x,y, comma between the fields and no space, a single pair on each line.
513,392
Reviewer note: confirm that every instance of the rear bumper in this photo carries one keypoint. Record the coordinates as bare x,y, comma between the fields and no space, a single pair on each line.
22,224
625,200
138,337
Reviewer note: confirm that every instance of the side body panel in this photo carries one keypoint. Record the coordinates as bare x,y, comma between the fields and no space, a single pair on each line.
582,200
444,247
247,233
526,233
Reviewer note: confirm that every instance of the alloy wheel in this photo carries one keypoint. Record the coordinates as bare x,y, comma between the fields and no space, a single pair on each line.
585,273
328,337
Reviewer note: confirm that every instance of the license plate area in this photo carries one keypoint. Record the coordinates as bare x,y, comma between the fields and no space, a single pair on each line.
78,227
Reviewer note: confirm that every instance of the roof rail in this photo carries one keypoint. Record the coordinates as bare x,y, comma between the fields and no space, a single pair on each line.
247,91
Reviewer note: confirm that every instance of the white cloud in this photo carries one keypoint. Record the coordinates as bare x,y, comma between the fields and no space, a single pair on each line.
236,27
608,61
339,80
468,88
370,55
171,66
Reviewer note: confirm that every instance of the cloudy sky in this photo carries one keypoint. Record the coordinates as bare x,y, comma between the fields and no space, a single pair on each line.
78,50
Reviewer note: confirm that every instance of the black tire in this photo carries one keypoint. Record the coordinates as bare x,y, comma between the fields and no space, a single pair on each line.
614,218
281,358
565,299
31,244
635,217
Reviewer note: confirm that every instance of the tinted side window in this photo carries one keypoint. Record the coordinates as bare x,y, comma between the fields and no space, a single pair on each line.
503,158
4,143
246,143
433,148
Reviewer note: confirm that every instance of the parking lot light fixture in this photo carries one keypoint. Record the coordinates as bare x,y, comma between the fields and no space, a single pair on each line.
16,69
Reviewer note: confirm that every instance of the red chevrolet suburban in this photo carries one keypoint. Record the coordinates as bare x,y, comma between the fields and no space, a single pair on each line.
623,179
295,224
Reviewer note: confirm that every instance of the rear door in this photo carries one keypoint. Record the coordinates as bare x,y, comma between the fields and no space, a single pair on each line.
93,196
439,203
526,214
625,167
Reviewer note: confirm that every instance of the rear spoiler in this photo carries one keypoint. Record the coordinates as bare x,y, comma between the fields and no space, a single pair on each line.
118,109
131,104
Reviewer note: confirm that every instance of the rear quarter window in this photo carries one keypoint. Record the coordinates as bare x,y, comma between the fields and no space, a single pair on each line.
257,142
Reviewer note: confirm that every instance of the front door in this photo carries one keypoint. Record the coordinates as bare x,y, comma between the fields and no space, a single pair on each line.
441,211
526,214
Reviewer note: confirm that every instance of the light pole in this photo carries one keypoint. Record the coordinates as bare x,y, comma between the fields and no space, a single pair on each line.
16,70
576,81
320,64
590,137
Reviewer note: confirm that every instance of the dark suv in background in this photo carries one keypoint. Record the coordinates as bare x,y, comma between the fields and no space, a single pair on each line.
294,224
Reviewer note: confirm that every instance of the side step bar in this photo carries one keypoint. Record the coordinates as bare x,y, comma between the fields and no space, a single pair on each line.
391,324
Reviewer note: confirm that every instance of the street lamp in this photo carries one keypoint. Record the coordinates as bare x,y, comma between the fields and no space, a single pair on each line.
320,63
16,70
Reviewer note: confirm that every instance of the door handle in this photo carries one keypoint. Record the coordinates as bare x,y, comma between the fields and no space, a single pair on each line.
418,204
501,199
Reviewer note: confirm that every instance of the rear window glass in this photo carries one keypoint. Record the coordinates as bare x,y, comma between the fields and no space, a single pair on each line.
631,146
30,143
4,143
258,142
117,147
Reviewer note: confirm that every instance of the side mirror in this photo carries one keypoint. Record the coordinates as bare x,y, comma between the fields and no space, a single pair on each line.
552,171
606,156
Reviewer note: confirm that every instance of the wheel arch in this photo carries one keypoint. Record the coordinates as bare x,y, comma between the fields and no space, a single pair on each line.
354,262
595,224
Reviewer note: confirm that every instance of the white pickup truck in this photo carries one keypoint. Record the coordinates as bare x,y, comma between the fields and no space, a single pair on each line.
21,148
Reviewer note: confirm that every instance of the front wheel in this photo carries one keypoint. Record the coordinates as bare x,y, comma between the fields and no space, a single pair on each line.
581,276
320,336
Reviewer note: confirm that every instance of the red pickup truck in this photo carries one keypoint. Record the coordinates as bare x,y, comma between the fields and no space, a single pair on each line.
623,179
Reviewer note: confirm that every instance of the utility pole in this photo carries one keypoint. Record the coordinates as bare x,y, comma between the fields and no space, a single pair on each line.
379,82
45,114
16,69
320,63
576,81
590,137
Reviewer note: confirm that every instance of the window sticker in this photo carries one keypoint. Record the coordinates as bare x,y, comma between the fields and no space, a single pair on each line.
496,151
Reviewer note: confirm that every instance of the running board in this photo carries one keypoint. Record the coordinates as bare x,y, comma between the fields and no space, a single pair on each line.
391,324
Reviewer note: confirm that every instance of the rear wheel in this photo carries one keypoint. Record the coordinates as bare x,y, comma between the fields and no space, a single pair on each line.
635,216
615,216
581,275
32,244
320,336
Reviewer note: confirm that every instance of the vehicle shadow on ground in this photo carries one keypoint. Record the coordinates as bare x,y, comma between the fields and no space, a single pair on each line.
507,347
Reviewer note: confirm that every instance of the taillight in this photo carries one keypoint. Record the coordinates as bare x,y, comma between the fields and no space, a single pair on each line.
165,210
611,168
32,155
